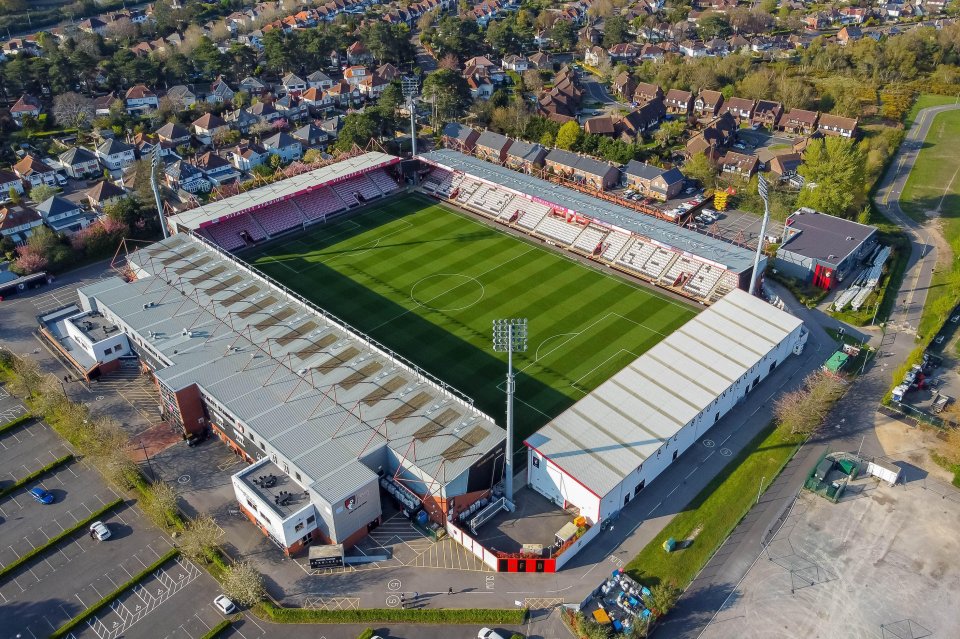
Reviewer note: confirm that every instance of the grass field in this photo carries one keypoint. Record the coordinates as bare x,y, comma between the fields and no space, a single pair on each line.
934,184
427,282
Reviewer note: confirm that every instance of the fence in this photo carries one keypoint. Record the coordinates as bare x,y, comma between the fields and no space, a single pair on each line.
472,545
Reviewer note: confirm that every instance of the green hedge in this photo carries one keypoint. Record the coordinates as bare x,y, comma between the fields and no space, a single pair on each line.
58,538
65,629
217,629
57,463
505,617
19,421
366,634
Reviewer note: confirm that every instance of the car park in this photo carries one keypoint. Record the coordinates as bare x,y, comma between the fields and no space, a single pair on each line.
939,339
224,605
99,531
955,319
41,496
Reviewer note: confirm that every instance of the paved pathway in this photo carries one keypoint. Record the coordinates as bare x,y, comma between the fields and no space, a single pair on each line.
850,425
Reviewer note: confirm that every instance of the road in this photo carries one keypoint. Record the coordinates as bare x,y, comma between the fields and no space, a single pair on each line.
598,92
849,426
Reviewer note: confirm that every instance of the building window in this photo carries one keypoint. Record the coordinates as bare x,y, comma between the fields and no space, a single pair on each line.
298,527
297,475
636,491
675,454
311,519
536,462
251,504
286,468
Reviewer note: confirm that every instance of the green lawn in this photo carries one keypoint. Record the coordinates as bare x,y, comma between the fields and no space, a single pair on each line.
924,101
427,282
934,184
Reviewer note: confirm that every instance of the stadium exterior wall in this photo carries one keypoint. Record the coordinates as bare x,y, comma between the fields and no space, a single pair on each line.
548,477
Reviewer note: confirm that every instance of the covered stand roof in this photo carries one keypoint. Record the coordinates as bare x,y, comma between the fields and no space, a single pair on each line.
319,393
606,435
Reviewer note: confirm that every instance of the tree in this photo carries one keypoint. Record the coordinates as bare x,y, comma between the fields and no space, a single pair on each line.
72,109
615,31
243,584
532,80
42,193
701,168
14,195
568,136
225,137
312,155
449,93
202,535
564,34
663,597
359,129
834,169
669,132
713,25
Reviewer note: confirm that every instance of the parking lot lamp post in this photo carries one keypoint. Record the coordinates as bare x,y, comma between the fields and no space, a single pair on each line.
509,336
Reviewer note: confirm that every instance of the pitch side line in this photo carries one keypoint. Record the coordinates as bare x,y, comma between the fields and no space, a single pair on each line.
575,384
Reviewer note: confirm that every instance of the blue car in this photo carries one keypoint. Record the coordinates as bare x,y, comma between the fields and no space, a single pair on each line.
41,496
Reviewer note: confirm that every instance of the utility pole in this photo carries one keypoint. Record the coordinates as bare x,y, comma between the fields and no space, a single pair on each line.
509,336
411,86
764,190
146,456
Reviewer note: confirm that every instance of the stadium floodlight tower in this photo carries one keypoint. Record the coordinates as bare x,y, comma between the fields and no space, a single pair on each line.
509,336
764,189
154,165
411,85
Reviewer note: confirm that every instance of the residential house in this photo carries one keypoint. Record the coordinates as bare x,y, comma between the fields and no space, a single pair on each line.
9,180
215,168
799,121
264,112
115,154
93,25
64,216
185,176
284,145
220,92
717,47
540,60
354,75
253,86
740,165
342,94
624,86
206,126
640,121
182,96
740,108
103,104
460,136
652,53
291,108
373,85
595,56
358,54
837,125
652,181
319,80
708,103
714,138
766,114
388,72
492,146
78,162
17,222
600,125
247,155
481,86
140,99
311,135
626,52
848,34
293,84
518,63
525,156
18,46
579,168
646,92
315,100
678,102
693,49
35,171
175,134
785,167
26,106
103,194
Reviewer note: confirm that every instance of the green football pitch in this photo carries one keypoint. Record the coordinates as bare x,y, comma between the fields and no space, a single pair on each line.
427,282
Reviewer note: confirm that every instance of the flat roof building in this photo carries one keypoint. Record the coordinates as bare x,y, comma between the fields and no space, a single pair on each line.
823,249
602,451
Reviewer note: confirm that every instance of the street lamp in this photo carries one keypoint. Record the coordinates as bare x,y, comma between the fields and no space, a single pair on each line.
154,164
509,336
764,190
410,85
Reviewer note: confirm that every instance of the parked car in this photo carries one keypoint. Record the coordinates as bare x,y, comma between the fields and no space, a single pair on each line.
486,633
740,146
99,531
224,605
41,496
61,179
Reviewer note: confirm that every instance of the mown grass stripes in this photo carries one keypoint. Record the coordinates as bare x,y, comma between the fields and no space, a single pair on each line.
370,271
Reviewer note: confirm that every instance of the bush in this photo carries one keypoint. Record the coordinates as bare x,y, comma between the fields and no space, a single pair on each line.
19,421
36,475
495,616
57,538
65,629
217,629
243,584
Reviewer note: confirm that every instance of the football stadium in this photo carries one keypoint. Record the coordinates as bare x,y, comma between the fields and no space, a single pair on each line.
334,329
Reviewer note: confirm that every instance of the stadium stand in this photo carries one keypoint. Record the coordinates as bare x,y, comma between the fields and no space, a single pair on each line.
556,228
728,282
703,281
530,212
614,244
231,234
591,239
279,217
680,270
384,183
320,203
465,190
438,181
659,261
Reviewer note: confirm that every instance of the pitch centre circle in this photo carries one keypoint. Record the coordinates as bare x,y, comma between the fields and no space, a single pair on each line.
447,292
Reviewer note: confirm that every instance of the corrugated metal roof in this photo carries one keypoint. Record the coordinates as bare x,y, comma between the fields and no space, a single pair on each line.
606,435
282,375
734,258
